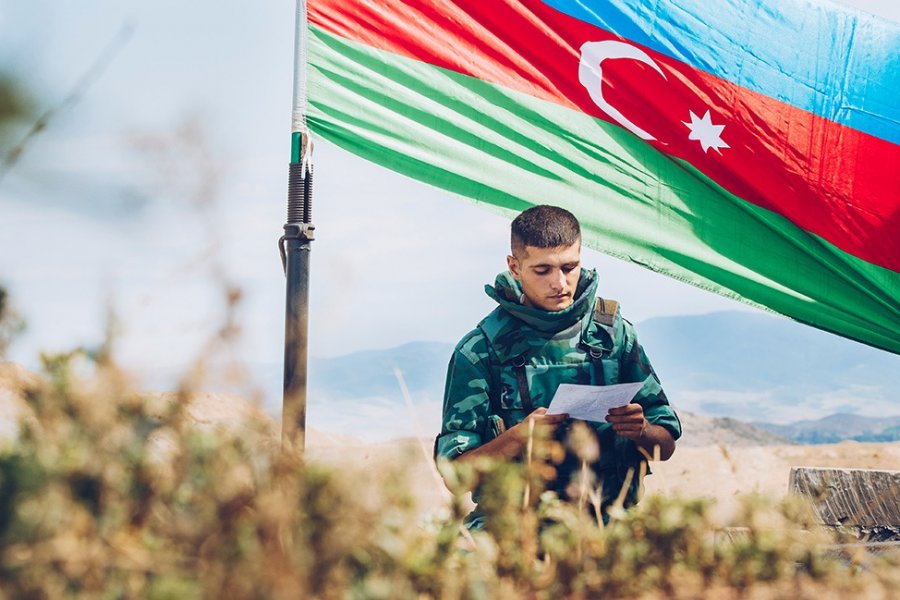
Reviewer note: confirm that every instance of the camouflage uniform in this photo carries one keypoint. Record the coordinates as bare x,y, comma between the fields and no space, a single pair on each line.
579,344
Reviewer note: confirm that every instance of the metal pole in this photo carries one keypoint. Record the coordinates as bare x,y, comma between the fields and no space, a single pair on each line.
294,247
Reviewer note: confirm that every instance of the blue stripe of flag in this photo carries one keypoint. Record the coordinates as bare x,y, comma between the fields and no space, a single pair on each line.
840,64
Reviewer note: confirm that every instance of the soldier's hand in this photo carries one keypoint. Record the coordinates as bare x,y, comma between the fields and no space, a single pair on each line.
512,441
628,421
541,420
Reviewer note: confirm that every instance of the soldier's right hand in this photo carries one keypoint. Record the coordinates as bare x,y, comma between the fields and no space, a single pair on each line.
542,420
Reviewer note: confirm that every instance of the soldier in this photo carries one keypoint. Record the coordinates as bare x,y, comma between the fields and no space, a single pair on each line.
550,328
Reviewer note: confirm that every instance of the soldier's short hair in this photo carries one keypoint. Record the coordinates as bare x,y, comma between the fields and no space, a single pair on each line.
544,226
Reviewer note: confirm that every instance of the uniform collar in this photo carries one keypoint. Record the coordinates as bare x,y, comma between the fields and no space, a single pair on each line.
507,292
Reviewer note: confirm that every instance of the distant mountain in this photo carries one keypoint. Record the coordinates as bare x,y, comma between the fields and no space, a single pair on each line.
759,367
750,367
700,430
837,428
359,393
370,373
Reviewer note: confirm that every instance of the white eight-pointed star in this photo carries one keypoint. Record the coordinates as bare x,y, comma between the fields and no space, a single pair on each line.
703,130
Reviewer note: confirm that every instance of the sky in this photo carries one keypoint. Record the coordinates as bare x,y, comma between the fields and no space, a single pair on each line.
165,184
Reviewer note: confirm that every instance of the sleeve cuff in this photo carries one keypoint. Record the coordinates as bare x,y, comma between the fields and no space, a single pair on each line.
665,418
453,443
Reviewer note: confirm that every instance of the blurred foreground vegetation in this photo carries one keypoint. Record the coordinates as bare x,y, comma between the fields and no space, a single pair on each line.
14,103
110,494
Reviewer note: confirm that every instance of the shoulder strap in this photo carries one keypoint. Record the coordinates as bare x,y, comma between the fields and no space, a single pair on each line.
609,325
518,364
522,382
605,311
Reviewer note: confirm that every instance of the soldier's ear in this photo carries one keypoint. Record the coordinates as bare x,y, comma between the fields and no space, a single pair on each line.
513,264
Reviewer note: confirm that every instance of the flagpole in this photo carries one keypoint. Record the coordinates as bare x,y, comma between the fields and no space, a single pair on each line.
294,247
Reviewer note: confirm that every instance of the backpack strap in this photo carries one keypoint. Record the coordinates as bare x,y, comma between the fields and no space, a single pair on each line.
522,382
605,313
495,424
490,330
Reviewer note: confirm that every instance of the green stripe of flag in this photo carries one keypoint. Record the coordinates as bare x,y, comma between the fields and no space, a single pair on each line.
510,151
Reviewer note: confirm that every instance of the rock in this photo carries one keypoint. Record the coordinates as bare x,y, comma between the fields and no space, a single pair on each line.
864,501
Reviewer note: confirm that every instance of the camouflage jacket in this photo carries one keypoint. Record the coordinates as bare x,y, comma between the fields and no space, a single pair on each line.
482,384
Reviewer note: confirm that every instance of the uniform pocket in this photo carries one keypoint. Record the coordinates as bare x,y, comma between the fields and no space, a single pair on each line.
510,398
542,383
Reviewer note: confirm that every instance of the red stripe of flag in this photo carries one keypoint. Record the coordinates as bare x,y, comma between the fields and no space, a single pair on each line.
831,180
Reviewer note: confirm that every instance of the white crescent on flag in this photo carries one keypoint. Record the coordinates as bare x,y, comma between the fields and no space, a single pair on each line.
590,74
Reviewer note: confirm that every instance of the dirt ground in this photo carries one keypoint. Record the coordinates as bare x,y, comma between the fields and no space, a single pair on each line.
724,473
715,472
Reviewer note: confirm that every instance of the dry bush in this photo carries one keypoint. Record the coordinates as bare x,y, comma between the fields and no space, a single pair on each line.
11,324
111,494
14,101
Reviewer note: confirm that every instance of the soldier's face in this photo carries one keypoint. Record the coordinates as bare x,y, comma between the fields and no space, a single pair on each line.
548,276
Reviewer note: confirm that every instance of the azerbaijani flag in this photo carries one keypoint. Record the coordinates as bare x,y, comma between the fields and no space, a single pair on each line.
748,147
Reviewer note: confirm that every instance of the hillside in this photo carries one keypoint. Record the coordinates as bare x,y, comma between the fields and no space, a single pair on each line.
700,430
370,373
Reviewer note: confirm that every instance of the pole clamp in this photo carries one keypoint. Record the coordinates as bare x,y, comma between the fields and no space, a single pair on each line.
305,232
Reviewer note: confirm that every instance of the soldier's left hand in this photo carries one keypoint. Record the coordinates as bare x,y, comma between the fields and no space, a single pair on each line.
628,421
